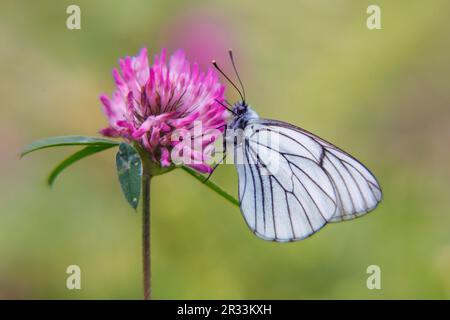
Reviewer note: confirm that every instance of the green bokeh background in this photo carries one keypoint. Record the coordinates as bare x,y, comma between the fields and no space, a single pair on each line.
383,95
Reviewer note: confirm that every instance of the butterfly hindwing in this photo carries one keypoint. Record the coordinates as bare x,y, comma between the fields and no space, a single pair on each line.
283,197
291,182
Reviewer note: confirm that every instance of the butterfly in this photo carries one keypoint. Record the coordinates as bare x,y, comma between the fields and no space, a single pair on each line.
291,183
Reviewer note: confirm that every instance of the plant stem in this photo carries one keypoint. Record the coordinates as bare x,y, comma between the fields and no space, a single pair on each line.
214,187
146,262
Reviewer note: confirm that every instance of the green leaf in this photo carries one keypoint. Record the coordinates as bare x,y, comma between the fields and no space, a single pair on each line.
67,141
129,170
212,185
74,158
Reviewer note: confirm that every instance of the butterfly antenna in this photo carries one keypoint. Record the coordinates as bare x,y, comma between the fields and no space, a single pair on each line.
229,80
230,52
225,106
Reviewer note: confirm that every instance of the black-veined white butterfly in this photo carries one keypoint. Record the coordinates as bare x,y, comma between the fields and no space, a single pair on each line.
291,182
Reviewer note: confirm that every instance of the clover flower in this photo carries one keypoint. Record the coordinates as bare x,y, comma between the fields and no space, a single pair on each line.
159,106
170,115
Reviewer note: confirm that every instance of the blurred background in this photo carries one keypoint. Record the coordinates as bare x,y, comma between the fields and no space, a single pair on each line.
383,95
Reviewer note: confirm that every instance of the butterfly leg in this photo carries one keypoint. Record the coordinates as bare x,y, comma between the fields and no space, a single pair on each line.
224,147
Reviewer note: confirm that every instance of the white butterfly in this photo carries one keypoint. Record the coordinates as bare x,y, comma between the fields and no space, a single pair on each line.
291,182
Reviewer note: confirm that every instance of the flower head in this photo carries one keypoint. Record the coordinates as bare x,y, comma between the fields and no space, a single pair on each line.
160,107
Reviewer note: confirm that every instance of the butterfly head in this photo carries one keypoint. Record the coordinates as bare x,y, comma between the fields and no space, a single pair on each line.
243,113
240,108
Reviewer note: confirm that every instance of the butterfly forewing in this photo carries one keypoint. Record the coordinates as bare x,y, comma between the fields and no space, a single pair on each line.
291,182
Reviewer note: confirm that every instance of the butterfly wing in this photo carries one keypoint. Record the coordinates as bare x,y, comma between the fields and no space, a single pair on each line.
358,191
291,182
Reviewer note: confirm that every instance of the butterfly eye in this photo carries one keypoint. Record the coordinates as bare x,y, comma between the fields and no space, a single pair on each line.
241,109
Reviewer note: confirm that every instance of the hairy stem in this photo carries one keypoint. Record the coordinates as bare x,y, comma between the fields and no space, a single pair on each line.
146,262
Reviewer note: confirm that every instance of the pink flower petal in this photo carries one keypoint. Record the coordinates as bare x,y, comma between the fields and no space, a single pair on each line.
203,168
165,157
152,103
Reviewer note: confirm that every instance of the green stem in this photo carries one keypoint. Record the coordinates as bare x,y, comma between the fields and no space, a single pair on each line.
212,185
146,262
